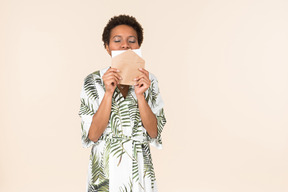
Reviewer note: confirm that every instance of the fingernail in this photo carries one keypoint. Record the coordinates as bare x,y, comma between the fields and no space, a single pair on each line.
135,79
118,70
140,68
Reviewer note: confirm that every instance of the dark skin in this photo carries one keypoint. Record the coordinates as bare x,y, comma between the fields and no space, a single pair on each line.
123,37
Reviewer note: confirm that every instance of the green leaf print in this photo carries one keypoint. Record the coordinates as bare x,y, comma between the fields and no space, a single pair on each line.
89,87
101,187
152,95
100,171
128,188
148,166
137,148
116,148
135,117
97,169
106,158
120,116
161,121
84,134
86,108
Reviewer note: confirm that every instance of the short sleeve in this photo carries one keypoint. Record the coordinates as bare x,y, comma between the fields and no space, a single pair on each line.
89,105
156,104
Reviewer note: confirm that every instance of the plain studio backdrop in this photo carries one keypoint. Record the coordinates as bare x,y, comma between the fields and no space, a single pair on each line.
222,68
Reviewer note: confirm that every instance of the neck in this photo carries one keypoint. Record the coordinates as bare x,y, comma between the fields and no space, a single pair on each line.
123,86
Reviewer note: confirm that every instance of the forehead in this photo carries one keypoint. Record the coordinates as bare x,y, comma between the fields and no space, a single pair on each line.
123,30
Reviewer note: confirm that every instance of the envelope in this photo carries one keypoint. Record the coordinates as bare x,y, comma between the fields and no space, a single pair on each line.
128,63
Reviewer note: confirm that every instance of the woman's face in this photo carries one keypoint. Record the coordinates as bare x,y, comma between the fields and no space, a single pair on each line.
122,37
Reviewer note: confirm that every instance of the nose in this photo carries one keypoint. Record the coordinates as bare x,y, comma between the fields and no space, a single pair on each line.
125,45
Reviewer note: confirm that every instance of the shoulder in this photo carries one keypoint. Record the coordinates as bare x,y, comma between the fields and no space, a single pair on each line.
96,75
93,85
152,77
154,80
93,75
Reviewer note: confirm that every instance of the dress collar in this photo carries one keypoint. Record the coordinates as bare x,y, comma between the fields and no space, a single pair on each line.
102,71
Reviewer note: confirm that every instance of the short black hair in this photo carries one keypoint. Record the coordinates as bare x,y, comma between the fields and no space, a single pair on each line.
122,20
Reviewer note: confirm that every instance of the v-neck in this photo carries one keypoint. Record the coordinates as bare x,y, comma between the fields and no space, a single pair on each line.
121,95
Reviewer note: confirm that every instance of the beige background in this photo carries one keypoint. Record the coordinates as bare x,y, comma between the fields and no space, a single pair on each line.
222,70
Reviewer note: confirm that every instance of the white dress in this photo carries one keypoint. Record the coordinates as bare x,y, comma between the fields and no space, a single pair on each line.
120,160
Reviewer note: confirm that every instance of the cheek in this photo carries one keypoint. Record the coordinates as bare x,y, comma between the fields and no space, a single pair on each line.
114,46
135,46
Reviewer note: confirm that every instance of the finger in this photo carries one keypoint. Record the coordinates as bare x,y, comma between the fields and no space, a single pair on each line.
113,69
113,74
144,74
112,83
112,79
141,77
142,83
144,71
145,83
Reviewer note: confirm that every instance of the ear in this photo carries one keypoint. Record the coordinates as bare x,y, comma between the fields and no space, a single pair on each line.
107,49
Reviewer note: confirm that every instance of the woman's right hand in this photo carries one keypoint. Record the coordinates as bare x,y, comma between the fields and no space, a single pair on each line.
111,79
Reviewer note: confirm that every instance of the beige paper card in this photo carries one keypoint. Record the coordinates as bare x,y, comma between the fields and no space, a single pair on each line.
128,63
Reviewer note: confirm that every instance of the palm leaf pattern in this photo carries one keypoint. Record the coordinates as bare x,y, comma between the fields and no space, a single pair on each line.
137,149
152,95
85,138
124,144
99,181
161,121
135,117
128,188
148,165
86,108
89,86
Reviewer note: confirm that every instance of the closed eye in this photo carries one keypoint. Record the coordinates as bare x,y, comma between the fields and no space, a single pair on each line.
117,39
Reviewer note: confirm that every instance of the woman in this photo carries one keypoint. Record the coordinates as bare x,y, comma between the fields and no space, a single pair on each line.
120,121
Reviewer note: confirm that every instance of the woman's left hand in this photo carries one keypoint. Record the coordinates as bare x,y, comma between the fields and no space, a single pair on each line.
142,82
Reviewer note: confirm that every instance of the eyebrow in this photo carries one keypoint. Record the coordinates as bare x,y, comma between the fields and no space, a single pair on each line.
121,36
